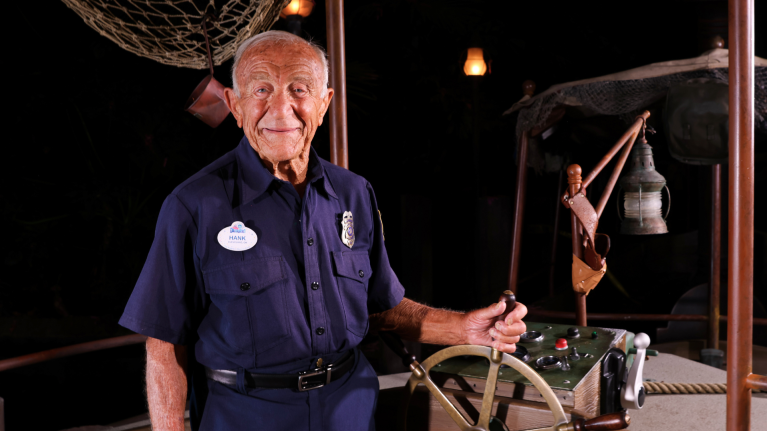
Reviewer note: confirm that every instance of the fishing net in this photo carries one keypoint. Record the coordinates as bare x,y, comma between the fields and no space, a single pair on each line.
628,98
170,31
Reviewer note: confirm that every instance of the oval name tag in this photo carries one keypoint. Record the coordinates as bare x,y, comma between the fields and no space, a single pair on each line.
237,237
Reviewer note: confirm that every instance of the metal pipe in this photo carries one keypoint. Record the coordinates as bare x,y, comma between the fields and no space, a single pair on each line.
740,273
519,212
574,186
614,150
339,139
555,234
528,89
635,317
716,245
76,349
479,184
755,381
616,173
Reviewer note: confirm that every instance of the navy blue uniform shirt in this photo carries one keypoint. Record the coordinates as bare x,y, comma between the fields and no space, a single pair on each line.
299,294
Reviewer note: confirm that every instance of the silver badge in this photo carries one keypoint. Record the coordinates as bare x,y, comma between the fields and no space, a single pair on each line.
347,229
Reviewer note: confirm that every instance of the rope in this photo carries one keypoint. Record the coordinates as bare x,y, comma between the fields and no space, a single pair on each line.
170,31
685,388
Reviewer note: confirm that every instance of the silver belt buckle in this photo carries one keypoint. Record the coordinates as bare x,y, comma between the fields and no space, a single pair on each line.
313,379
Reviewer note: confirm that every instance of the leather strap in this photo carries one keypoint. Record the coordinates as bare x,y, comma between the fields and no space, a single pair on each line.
279,381
597,245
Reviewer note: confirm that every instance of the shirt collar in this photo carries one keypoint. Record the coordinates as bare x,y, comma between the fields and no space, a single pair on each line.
254,179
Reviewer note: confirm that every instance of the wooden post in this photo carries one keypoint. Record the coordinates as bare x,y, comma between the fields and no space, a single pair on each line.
740,274
556,234
339,140
574,186
528,88
479,184
716,245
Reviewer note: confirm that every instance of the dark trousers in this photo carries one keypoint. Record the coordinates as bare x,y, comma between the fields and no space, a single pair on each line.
347,404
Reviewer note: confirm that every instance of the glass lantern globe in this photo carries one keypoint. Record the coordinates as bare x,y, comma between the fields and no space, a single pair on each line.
475,63
298,7
642,198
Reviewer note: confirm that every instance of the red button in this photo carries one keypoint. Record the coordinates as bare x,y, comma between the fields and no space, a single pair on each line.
561,344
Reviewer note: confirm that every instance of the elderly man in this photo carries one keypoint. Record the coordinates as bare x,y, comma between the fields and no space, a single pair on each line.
269,265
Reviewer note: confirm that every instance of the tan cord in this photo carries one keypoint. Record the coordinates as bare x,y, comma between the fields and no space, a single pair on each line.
684,388
170,31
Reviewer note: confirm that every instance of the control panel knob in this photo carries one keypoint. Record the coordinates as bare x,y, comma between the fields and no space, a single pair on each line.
632,394
574,355
565,364
561,344
573,333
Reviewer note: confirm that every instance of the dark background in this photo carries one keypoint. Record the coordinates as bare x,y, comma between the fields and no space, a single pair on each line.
95,138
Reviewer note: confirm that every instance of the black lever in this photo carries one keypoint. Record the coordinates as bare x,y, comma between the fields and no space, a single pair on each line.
511,301
397,346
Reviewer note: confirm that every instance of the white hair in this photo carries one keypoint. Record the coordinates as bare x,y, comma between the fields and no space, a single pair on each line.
284,38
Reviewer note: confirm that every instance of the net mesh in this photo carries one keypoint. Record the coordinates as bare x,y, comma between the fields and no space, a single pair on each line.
627,99
170,31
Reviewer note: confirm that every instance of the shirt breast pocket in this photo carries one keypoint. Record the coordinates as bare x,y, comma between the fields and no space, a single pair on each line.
249,308
353,274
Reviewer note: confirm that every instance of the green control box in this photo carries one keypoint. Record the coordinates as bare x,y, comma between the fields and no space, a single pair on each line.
564,364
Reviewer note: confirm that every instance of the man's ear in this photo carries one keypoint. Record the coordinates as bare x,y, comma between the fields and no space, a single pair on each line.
326,104
232,101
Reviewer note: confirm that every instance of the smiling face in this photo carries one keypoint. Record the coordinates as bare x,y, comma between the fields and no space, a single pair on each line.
280,104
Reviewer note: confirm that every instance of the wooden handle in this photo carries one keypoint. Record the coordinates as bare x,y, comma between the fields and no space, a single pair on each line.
395,343
610,421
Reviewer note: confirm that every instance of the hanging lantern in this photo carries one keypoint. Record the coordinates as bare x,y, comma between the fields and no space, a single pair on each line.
475,63
642,198
303,8
207,100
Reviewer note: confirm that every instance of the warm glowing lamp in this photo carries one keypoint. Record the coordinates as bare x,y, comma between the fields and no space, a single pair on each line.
294,14
302,8
475,63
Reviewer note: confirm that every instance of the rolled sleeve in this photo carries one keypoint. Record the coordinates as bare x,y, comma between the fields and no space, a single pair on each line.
165,298
384,289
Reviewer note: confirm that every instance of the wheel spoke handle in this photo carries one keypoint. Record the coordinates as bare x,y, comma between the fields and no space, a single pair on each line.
608,422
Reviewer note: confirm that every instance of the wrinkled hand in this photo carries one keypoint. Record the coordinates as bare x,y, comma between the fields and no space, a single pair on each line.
480,327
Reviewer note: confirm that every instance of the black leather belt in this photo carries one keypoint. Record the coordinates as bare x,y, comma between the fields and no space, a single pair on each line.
303,381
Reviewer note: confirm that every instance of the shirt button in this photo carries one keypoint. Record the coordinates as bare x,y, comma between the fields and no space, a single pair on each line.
320,331
310,242
245,286
362,274
315,286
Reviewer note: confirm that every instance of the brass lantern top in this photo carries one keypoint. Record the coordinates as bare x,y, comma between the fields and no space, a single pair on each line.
642,175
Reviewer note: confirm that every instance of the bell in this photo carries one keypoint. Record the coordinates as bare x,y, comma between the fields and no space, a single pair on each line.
642,186
207,102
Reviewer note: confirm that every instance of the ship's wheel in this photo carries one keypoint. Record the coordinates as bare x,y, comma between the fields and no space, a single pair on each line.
496,358
610,421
